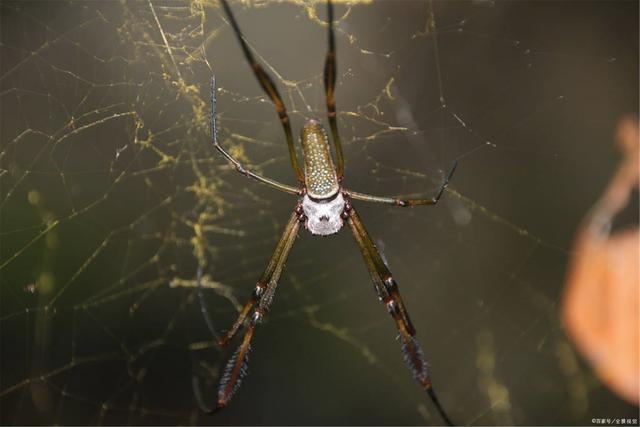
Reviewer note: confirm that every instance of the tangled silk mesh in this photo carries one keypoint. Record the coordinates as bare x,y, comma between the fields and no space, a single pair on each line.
112,196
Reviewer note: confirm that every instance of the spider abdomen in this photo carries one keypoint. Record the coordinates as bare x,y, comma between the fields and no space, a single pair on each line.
320,176
323,217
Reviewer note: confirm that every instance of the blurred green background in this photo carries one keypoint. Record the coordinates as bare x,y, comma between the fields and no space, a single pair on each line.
111,193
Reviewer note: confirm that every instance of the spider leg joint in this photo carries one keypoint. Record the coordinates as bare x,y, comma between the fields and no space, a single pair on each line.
259,290
347,210
258,315
241,169
392,307
389,282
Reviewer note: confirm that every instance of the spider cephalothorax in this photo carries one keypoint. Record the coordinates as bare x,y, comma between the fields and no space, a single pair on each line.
323,217
323,207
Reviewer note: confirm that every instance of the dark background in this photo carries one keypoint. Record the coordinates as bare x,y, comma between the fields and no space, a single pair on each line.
526,95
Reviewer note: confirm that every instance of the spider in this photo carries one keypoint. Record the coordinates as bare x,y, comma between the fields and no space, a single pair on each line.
323,207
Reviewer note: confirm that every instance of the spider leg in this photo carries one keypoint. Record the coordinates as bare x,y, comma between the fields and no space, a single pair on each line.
258,306
267,84
388,292
281,251
236,163
204,309
329,86
396,201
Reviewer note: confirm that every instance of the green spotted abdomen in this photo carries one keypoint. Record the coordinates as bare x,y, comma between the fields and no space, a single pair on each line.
319,173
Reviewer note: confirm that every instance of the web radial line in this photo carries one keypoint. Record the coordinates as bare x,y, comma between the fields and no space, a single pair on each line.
269,87
389,294
204,308
433,31
164,39
329,86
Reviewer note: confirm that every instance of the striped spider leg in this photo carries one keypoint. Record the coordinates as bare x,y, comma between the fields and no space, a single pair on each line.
387,290
250,317
266,82
323,206
329,86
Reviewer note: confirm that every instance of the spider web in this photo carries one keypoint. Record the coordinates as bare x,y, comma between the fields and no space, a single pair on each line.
112,195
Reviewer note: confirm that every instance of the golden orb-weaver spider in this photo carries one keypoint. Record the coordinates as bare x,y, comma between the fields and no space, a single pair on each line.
323,207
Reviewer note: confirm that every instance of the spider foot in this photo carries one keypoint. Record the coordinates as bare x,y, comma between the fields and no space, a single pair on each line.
219,407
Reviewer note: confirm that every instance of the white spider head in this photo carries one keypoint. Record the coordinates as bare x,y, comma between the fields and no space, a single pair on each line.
323,216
